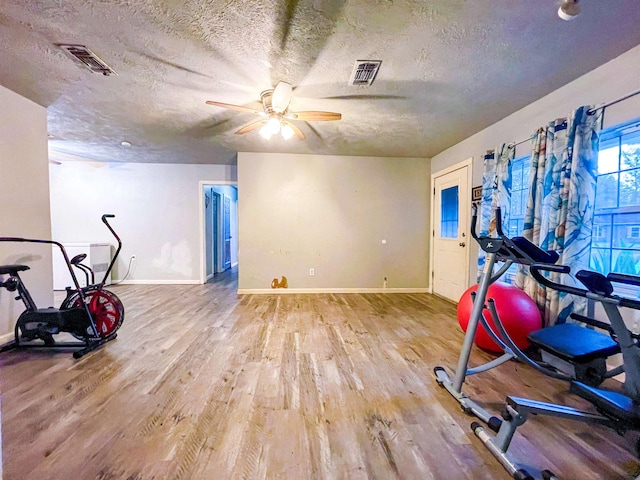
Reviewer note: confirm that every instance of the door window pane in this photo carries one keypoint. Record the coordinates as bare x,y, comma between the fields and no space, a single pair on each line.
449,212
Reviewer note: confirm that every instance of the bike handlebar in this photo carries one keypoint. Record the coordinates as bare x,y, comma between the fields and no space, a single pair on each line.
115,256
64,253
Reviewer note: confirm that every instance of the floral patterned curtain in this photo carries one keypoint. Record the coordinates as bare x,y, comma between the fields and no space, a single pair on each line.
559,215
496,192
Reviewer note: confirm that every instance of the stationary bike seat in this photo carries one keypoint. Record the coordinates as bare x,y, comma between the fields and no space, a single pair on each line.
12,269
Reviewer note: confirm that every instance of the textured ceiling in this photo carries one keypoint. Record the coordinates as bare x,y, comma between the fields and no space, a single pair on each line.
449,69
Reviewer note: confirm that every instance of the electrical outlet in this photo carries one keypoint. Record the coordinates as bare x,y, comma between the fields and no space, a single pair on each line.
312,272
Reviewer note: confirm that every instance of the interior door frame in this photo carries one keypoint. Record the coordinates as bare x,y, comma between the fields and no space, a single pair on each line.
201,214
468,163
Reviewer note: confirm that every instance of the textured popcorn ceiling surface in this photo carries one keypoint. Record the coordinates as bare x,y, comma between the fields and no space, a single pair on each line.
449,69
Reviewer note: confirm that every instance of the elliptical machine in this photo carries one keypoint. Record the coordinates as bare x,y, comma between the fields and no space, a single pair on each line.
91,314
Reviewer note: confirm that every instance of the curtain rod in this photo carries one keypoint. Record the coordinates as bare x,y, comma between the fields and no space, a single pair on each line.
603,106
613,102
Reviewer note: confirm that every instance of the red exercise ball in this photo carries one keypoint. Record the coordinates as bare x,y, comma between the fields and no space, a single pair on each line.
519,315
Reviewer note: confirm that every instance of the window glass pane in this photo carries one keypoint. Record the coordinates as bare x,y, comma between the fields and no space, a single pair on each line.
608,156
615,244
630,188
449,212
601,234
600,261
625,229
516,175
626,261
516,203
607,191
630,157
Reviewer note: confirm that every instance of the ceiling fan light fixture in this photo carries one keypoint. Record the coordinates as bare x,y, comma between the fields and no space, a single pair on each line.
287,132
569,10
265,132
274,125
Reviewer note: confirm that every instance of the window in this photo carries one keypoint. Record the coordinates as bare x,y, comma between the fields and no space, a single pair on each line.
449,212
615,245
519,195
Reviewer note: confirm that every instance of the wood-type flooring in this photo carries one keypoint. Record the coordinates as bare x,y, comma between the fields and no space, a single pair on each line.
202,383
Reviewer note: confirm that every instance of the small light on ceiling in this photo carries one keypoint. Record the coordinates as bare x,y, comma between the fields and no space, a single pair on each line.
125,144
569,10
265,132
287,132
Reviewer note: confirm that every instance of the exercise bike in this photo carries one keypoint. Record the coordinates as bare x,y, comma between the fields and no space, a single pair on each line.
91,314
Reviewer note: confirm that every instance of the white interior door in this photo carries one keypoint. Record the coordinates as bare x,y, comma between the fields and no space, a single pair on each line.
450,257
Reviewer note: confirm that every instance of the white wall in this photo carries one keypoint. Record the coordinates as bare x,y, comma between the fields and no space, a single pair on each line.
608,82
157,208
24,205
331,213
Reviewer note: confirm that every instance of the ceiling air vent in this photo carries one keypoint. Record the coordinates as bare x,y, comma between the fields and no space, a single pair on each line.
364,72
87,58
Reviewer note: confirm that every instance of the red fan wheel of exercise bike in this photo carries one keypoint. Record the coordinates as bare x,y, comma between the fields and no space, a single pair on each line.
106,310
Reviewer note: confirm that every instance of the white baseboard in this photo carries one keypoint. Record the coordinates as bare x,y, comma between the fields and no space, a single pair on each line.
286,291
7,338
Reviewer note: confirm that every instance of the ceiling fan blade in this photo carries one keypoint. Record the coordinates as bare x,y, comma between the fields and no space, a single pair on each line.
314,116
298,133
281,97
235,107
251,127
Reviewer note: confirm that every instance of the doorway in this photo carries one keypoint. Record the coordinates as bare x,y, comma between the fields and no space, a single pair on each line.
219,226
450,230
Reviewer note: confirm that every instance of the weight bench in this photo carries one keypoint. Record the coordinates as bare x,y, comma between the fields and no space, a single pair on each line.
579,352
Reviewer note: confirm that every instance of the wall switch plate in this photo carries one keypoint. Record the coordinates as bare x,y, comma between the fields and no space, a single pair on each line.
312,272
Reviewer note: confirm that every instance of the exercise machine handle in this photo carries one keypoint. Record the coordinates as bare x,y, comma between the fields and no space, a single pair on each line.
624,278
551,267
474,219
540,278
115,256
499,222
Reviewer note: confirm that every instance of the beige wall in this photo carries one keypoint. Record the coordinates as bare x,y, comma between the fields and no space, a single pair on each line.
24,205
331,213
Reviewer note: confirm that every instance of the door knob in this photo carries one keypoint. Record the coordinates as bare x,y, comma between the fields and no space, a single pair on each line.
462,244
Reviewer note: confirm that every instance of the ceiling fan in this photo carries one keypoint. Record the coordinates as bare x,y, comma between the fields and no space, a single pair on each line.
276,115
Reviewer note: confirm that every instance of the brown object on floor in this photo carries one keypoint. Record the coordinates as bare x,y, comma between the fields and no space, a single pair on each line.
281,284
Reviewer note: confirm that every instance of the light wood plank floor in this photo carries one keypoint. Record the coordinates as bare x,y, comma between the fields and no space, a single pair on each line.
204,384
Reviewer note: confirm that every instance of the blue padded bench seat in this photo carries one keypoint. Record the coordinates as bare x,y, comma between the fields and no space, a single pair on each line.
574,343
611,404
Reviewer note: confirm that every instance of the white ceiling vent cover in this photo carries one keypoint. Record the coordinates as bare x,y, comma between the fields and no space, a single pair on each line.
87,58
364,72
